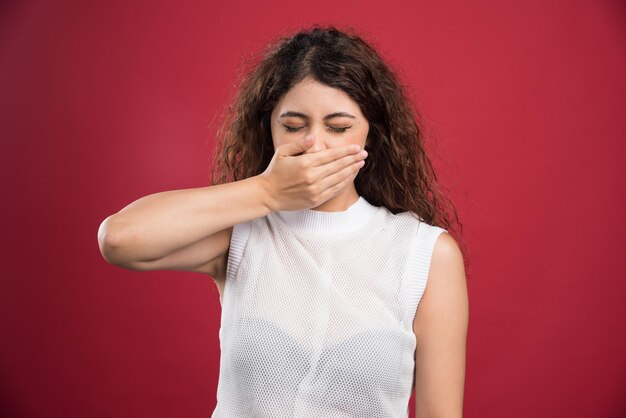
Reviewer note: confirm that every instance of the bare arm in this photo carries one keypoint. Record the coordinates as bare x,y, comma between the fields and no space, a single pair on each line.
158,226
189,229
440,327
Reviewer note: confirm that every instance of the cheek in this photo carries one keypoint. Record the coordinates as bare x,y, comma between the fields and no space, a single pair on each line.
359,136
278,139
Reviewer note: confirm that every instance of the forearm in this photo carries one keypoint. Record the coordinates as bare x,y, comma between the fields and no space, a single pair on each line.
158,224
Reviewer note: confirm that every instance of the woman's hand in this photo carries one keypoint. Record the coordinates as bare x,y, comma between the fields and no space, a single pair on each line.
296,182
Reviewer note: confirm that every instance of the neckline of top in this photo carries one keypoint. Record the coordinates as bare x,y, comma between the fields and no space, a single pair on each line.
309,220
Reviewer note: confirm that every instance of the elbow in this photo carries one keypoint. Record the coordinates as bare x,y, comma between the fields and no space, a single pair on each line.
111,242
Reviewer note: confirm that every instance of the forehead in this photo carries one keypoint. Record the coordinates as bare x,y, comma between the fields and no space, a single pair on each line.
312,97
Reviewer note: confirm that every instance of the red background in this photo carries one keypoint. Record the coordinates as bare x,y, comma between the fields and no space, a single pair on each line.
104,102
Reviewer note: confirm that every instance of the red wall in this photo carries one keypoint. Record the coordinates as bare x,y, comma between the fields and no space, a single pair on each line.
102,103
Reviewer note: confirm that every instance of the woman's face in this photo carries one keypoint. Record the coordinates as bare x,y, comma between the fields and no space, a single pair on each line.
312,108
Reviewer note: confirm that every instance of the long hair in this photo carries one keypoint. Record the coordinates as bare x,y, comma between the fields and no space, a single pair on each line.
398,173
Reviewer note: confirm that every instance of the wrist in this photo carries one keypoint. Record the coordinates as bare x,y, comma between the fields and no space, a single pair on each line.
265,193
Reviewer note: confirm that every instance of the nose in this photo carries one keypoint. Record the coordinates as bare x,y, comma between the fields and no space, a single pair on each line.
319,143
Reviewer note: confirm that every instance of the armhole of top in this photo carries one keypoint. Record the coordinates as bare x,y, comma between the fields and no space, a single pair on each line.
238,241
423,247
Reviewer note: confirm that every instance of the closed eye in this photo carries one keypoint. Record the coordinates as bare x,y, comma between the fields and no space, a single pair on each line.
332,128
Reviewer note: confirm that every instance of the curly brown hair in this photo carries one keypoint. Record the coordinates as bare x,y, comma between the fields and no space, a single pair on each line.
398,173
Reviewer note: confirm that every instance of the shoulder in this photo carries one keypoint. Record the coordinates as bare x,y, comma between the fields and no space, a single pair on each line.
440,251
447,271
446,251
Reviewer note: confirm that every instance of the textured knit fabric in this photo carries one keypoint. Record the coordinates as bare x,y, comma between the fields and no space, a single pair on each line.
317,313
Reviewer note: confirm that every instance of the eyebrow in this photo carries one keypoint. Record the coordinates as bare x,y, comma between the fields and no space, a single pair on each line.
330,116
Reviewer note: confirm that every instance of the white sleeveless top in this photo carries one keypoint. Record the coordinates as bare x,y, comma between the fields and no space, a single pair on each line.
317,313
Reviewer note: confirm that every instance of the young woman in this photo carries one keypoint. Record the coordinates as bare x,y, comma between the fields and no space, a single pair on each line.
327,236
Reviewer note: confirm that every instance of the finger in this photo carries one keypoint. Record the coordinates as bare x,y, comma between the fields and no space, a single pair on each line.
326,156
298,147
342,177
336,188
329,169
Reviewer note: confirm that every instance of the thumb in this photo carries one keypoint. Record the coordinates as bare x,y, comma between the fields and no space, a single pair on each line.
298,147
